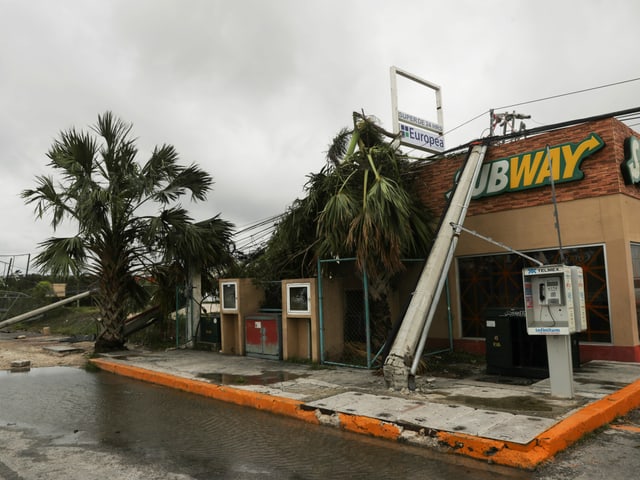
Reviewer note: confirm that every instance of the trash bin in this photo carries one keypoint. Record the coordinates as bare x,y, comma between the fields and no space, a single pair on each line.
511,351
210,329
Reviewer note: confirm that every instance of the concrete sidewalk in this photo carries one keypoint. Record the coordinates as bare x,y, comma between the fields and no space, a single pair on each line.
480,416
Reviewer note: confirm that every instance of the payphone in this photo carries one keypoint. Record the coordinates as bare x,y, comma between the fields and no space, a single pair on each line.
555,307
554,300
549,290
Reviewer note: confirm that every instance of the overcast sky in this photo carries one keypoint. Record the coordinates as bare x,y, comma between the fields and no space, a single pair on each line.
254,90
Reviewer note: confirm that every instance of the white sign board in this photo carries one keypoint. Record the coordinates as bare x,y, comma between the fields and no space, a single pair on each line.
416,131
420,138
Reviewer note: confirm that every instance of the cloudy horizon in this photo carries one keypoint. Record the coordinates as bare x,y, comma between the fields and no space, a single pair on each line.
253,91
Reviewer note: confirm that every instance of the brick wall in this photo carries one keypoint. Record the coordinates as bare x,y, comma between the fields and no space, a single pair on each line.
602,174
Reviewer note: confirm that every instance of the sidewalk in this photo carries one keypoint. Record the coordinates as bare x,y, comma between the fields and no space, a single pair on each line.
508,424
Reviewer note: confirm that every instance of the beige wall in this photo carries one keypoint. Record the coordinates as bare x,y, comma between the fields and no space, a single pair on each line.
608,220
300,331
249,298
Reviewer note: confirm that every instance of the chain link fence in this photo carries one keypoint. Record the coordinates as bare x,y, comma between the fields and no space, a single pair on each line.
357,315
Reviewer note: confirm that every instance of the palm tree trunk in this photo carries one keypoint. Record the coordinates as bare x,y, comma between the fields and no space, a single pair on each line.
112,301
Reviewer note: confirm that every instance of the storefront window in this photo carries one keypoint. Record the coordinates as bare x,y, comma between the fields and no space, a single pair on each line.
495,281
635,260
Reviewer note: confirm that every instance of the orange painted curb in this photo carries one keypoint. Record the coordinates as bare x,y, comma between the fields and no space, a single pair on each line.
511,454
554,440
369,426
626,428
278,405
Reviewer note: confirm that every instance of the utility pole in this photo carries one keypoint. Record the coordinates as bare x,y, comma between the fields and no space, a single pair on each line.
507,121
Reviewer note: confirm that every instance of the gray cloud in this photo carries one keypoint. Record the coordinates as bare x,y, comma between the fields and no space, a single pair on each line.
253,90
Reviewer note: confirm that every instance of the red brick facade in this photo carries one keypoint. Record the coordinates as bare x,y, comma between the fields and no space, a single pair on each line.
602,173
613,226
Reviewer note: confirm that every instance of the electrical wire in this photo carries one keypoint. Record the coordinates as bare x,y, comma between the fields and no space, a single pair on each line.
552,97
248,237
570,93
254,236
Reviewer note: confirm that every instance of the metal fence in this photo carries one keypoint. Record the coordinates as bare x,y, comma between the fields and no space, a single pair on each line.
357,317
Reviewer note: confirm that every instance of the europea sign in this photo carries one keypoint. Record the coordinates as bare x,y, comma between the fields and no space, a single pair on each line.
532,169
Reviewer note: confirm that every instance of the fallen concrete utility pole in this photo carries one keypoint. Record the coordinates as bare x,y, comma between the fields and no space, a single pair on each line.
417,320
46,308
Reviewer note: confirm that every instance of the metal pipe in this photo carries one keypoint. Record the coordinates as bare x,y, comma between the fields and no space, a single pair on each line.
367,320
321,311
433,306
491,240
555,203
46,308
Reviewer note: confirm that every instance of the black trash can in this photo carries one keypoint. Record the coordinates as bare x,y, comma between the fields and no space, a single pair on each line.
510,350
210,331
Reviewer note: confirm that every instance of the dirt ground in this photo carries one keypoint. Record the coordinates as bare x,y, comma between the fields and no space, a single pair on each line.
42,350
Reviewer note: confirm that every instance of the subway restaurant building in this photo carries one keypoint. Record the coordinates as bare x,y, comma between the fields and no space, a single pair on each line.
596,171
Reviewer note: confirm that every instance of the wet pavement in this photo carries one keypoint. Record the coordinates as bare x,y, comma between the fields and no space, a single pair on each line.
73,424
480,416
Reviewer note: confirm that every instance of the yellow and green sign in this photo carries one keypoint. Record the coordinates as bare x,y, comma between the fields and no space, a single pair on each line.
533,169
631,165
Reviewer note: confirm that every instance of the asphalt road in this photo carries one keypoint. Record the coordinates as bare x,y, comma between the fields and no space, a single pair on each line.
610,453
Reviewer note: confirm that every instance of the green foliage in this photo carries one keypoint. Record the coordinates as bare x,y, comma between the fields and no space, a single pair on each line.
362,204
108,195
42,290
373,212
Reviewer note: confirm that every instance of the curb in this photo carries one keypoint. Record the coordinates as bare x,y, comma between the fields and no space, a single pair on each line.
543,447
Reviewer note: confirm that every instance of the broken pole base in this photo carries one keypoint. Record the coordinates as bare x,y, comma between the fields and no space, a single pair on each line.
396,372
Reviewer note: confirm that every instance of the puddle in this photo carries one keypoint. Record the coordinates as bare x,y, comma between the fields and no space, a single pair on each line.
524,381
603,383
511,403
265,378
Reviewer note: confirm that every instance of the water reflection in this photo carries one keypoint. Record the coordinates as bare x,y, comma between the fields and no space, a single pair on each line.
205,438
267,377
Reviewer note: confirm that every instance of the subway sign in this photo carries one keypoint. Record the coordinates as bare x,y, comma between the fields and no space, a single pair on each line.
531,169
631,165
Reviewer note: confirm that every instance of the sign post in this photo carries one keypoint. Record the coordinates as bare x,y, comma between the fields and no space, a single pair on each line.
416,131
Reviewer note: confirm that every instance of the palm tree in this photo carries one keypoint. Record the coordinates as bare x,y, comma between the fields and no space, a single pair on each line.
130,224
363,203
373,212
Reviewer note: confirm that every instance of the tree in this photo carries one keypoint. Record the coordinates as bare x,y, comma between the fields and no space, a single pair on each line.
373,212
130,224
363,203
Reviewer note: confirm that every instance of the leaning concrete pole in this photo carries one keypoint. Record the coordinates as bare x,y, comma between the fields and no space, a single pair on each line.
417,319
46,308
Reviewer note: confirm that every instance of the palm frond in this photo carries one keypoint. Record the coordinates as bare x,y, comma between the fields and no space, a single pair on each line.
62,256
47,198
338,146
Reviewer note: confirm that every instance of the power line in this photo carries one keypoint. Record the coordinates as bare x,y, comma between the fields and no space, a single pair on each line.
465,123
254,236
544,99
570,93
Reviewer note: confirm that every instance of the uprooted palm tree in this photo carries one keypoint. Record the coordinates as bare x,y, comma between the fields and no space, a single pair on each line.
373,211
130,223
363,203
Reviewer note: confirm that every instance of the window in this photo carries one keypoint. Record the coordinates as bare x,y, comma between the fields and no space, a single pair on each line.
635,261
495,281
